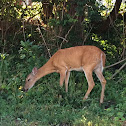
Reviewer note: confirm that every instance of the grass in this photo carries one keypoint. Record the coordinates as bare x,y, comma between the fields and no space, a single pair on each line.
41,105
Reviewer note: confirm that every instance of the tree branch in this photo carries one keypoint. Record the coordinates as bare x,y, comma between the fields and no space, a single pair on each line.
115,64
62,38
118,70
44,41
66,35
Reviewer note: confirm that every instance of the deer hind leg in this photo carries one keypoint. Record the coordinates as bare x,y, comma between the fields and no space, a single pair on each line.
91,84
100,76
67,80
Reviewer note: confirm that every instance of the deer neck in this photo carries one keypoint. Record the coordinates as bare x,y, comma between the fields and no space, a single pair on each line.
44,70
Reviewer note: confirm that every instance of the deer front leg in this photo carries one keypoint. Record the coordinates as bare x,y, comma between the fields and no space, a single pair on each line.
67,80
62,77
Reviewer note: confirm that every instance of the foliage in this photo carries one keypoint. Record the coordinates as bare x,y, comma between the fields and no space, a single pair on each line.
42,106
29,34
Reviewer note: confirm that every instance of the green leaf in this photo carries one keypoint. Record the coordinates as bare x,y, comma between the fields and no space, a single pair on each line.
22,43
120,114
22,56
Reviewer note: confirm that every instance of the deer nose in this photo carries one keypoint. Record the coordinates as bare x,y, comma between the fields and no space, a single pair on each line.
24,90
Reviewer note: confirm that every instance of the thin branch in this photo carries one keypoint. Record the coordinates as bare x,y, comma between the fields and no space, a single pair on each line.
17,32
118,70
24,31
62,38
34,15
63,11
124,36
87,35
69,31
112,24
44,41
122,78
66,35
115,63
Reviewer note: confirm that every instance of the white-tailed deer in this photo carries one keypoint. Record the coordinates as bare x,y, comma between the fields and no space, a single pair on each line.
79,58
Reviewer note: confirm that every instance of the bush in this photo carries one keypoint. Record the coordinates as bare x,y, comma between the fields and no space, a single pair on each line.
42,106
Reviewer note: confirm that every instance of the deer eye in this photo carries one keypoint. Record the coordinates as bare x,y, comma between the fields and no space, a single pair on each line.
28,79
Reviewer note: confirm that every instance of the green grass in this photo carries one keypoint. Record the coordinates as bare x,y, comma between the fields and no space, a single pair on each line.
41,105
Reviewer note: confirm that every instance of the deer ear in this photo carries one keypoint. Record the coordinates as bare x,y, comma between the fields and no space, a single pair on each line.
34,70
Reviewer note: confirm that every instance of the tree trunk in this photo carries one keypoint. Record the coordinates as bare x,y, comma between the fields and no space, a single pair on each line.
103,26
